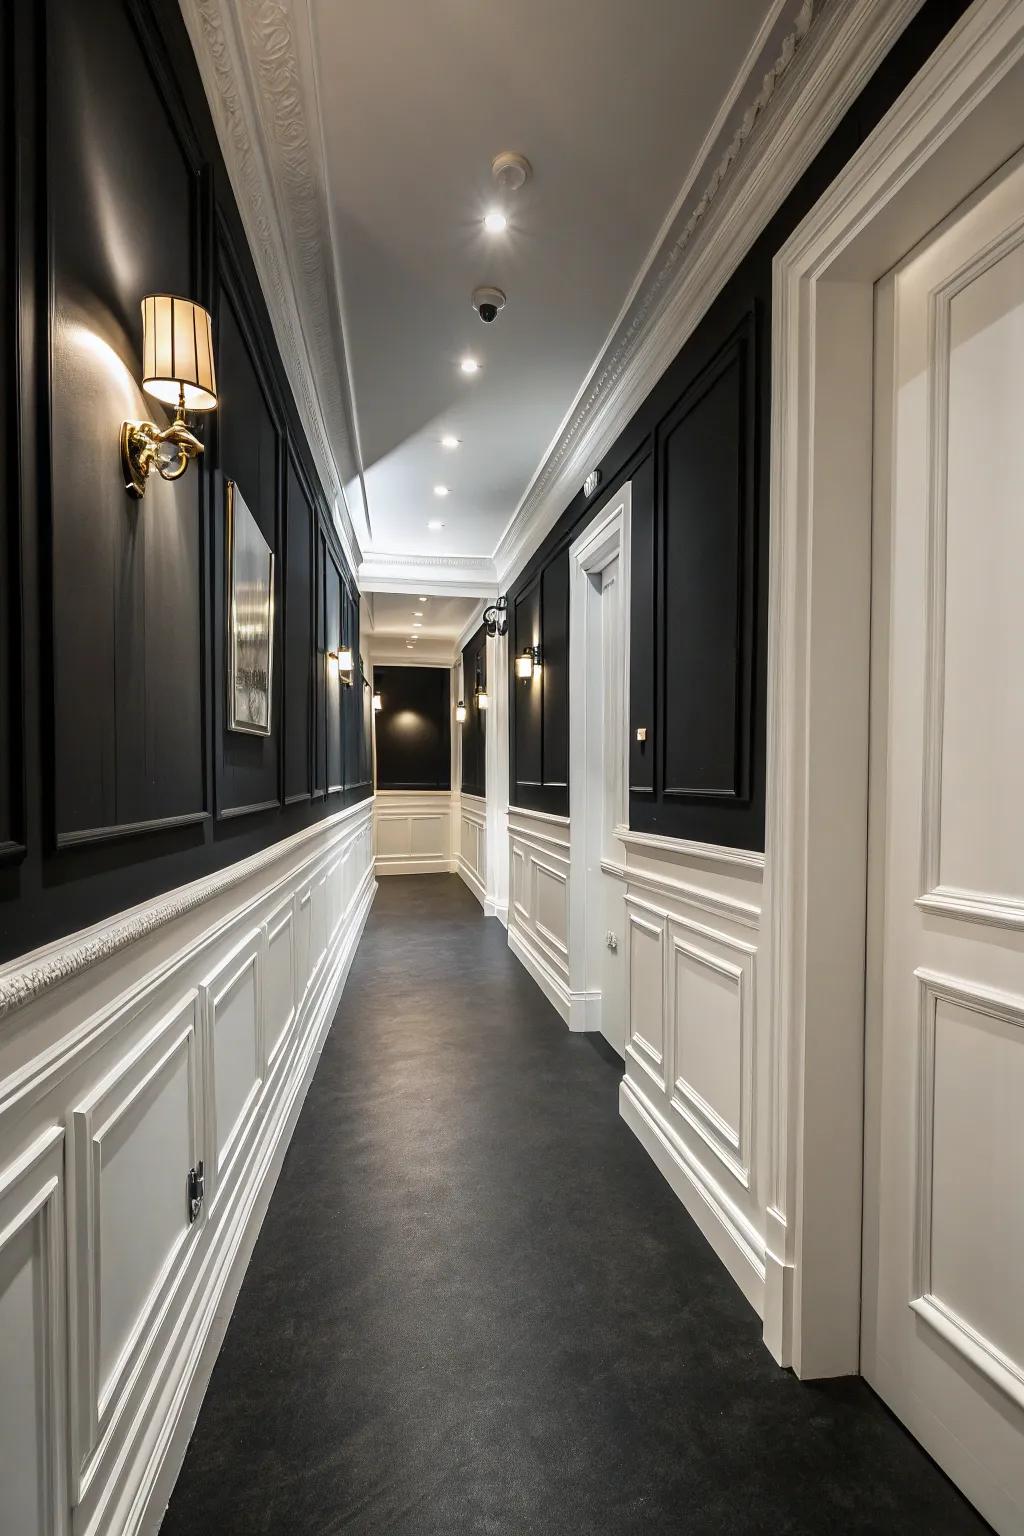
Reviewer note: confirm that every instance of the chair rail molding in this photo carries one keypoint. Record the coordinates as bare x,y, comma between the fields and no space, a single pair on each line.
828,53
273,154
944,135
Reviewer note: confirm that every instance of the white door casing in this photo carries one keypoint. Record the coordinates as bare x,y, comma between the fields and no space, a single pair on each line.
944,1221
599,584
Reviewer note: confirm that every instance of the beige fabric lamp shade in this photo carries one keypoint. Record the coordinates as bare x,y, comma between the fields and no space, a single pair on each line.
177,352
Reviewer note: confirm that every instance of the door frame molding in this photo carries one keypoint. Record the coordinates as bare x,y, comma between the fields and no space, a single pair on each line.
946,134
605,539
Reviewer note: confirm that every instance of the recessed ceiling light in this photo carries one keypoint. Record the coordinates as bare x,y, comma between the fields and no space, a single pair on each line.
417,625
449,441
417,613
469,365
434,525
495,221
440,490
421,599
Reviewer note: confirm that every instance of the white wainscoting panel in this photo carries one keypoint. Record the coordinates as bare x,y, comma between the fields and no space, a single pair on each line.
194,1042
691,921
538,918
473,845
413,832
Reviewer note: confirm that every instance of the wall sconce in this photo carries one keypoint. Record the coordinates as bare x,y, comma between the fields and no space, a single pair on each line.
480,696
377,702
495,619
528,661
177,368
460,713
342,659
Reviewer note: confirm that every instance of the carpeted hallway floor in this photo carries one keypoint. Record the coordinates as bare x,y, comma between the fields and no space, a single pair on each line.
475,1307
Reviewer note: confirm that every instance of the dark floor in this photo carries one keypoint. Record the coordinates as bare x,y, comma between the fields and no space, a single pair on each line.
475,1306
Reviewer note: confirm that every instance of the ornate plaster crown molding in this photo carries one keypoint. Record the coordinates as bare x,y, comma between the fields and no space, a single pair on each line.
254,58
23,981
455,575
828,53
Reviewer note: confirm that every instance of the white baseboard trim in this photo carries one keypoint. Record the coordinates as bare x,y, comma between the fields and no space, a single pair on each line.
734,1239
496,909
183,1374
472,879
551,984
399,865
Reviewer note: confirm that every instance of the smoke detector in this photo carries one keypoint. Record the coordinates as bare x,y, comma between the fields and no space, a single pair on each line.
511,170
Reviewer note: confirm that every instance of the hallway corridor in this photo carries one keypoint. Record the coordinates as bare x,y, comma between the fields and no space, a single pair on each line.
474,1305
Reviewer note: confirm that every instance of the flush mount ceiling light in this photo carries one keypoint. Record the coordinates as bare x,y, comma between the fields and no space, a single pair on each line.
440,490
449,441
511,170
495,221
435,525
177,368
469,365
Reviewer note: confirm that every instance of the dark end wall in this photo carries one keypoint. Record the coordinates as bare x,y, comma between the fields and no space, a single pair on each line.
474,728
414,743
118,775
697,454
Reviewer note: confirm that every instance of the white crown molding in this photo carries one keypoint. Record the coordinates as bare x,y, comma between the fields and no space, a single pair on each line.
825,58
436,575
255,58
24,980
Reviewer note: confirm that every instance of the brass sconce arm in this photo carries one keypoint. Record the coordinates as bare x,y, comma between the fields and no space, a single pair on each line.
141,442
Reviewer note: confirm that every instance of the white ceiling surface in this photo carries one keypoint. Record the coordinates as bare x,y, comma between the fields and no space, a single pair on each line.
392,615
611,102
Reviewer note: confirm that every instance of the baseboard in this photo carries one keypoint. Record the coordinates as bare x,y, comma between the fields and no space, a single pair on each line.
472,879
551,984
383,865
498,909
185,1371
734,1239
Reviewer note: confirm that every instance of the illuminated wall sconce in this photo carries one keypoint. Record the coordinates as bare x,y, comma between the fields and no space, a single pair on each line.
528,661
342,659
480,696
177,368
460,713
377,702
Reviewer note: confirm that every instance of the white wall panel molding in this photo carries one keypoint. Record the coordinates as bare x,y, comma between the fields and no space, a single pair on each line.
939,141
33,1360
646,967
713,902
204,1055
414,832
682,850
473,845
538,911
26,979
795,100
730,1232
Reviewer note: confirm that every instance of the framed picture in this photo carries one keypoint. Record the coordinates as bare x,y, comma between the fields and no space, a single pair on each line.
250,564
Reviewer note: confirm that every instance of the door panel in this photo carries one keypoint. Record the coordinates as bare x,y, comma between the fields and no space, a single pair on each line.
943,1340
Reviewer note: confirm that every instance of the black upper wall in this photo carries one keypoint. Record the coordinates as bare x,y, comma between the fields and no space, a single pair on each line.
474,728
414,741
697,454
118,776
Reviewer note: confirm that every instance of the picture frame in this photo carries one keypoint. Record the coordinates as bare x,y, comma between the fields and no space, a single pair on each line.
250,640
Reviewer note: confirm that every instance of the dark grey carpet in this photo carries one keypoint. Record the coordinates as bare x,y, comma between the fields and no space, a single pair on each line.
475,1307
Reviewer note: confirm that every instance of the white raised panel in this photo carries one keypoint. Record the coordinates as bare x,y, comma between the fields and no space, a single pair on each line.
520,884
234,1035
394,836
134,1139
303,939
974,825
33,1436
279,982
428,837
550,895
645,988
969,1218
711,1008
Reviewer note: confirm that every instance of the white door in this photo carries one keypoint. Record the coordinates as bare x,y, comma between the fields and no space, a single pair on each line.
943,1293
607,906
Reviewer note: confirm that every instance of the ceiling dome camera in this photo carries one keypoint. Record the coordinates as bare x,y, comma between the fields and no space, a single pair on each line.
488,303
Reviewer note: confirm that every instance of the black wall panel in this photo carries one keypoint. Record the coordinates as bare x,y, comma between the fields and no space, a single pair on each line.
335,687
113,742
696,453
413,728
299,618
474,727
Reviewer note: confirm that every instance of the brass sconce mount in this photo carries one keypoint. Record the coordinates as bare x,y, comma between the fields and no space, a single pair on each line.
141,445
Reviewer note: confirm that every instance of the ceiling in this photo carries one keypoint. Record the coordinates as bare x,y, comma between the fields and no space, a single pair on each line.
611,102
396,617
